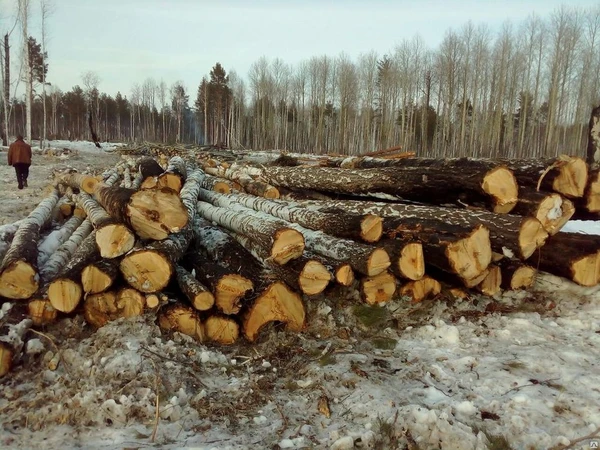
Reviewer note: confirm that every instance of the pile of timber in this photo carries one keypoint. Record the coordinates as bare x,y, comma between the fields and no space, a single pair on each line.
218,248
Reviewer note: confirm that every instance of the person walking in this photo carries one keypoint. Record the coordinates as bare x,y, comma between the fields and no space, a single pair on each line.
19,156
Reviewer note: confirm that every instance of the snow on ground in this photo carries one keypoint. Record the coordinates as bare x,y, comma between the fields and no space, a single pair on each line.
520,371
17,204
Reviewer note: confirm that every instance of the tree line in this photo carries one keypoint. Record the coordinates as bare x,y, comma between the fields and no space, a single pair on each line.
525,91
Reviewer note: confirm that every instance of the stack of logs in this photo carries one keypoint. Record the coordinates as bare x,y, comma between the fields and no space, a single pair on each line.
223,244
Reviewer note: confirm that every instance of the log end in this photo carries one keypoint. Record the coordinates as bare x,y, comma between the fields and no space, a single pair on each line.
41,312
344,275
130,303
470,256
19,281
554,212
94,280
522,278
156,213
183,319
203,301
531,237
223,330
378,289
492,282
501,184
65,294
221,187
147,271
592,195
411,262
271,192
114,240
6,358
371,228
586,270
378,262
229,292
314,278
572,178
277,303
89,184
422,289
288,244
170,181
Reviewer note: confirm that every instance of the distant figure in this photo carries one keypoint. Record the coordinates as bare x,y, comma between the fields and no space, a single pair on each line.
19,156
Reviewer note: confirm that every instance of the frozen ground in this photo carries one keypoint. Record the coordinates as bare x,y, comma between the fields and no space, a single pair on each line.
517,372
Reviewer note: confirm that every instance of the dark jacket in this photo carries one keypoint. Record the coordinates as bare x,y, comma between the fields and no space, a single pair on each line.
19,152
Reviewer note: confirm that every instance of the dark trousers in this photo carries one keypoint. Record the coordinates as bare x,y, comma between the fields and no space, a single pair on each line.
22,170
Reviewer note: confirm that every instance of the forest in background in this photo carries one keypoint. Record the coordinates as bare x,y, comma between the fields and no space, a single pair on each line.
524,91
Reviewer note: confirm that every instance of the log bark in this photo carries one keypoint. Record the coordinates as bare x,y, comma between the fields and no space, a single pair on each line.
588,207
19,277
198,294
593,144
571,255
220,185
173,177
551,209
436,184
283,242
99,276
516,275
258,188
148,167
276,303
366,227
64,290
378,289
509,234
7,234
50,244
222,329
183,319
61,257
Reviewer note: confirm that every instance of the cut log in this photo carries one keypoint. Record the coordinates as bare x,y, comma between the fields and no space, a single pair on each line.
551,209
65,291
85,183
378,289
173,177
19,278
408,261
508,234
41,312
183,319
99,275
153,214
221,185
238,272
6,358
491,284
306,274
258,188
301,194
367,227
198,294
593,144
283,242
516,275
588,207
276,303
14,328
566,175
150,268
437,183
422,289
113,238
99,309
571,255
221,329
50,244
7,234
61,257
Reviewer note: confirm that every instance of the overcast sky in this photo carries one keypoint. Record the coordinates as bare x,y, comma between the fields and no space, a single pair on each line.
126,41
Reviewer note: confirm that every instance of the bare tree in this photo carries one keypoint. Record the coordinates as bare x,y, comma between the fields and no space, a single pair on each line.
24,19
45,10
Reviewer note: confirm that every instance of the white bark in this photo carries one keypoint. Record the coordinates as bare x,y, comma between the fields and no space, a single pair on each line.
56,238
60,259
